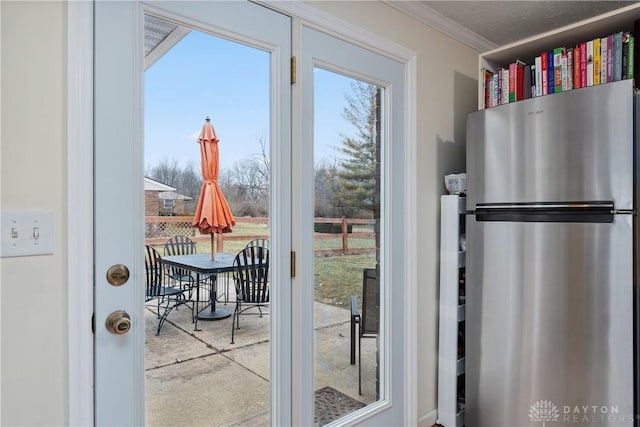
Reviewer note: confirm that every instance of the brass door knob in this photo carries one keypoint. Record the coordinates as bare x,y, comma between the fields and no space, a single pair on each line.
118,322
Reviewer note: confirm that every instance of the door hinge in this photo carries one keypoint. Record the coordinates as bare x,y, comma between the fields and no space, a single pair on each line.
293,70
93,323
293,264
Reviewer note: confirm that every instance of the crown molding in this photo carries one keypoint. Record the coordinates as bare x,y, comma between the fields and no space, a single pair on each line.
436,20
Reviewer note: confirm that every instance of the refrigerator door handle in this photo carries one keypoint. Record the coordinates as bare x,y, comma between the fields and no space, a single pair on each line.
586,212
548,205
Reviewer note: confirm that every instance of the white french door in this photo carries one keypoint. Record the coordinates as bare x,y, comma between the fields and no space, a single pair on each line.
119,201
371,162
119,229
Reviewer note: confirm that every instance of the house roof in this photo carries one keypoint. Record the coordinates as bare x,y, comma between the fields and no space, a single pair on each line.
153,185
168,195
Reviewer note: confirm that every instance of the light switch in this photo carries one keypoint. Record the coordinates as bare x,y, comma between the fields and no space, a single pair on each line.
26,232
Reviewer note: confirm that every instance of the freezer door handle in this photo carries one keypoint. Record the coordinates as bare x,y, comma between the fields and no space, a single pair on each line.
587,212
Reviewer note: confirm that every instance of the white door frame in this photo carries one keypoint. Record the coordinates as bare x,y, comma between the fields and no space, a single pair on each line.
80,211
80,195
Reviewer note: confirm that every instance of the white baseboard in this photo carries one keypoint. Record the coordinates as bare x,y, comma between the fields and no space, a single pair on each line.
428,419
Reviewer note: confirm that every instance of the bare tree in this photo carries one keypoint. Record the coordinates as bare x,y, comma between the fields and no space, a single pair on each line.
246,183
190,180
167,172
326,184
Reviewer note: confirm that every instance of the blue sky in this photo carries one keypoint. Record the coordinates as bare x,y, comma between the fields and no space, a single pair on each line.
204,75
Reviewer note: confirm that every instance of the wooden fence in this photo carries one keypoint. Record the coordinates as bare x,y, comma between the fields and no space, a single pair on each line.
334,236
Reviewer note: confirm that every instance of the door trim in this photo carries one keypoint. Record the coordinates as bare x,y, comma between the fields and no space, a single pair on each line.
80,195
80,211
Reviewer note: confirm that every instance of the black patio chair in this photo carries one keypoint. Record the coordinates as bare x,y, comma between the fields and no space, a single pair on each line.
251,279
259,242
182,245
369,322
166,297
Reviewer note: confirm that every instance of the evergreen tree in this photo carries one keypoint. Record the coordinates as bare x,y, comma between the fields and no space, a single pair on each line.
357,186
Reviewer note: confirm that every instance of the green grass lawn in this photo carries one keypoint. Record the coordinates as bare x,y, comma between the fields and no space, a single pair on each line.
339,277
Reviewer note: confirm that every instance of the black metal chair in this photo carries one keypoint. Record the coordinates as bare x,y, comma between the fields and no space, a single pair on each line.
369,322
251,279
182,245
166,297
259,242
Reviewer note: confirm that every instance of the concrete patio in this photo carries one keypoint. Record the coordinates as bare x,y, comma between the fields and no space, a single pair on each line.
197,378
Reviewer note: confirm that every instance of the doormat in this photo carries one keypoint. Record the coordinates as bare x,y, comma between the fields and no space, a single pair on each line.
330,404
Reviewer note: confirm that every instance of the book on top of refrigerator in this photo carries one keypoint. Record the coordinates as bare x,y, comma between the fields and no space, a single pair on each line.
603,60
617,56
609,58
590,63
596,61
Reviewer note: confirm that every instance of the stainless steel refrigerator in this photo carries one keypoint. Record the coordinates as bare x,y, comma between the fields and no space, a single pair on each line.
552,255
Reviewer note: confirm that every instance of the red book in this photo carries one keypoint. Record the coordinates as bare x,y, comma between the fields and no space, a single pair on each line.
545,78
519,80
576,68
583,64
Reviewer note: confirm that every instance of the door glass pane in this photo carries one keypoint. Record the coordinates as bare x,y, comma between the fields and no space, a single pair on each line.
196,376
347,230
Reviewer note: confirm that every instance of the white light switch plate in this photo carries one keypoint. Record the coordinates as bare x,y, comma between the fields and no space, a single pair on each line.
26,232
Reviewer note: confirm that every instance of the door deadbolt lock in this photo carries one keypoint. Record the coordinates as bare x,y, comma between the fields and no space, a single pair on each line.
118,322
118,274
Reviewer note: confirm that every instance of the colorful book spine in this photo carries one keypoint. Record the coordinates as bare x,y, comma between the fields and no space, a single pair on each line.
505,86
583,64
538,80
609,58
486,78
519,80
532,81
557,69
625,53
494,90
576,67
603,60
551,71
569,69
590,63
512,82
545,66
499,86
564,79
596,61
617,56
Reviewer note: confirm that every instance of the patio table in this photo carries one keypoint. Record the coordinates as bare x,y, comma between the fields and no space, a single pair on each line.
202,264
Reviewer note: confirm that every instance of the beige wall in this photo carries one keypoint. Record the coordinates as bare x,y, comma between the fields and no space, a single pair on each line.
33,289
447,89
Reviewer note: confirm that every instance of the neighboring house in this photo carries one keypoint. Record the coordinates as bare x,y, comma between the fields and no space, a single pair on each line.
162,199
172,203
152,190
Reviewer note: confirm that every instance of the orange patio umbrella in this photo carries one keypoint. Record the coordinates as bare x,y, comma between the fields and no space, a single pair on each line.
213,214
